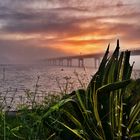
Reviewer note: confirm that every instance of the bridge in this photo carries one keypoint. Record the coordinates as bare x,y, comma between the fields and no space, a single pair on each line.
68,60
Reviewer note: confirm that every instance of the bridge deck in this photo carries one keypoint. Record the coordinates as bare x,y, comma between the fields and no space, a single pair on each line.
92,55
68,60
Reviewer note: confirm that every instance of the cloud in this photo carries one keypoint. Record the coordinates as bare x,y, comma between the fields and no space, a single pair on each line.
41,28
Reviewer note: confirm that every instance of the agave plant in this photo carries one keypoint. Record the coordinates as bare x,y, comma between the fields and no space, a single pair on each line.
106,110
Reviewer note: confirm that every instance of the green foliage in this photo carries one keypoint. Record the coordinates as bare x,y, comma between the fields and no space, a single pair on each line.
26,123
23,125
108,109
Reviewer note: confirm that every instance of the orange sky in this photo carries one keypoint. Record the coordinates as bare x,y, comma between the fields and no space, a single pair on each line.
40,29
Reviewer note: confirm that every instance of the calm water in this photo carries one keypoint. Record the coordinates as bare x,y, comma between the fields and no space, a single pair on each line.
16,80
22,77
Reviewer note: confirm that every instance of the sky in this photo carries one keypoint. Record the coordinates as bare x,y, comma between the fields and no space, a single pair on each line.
38,29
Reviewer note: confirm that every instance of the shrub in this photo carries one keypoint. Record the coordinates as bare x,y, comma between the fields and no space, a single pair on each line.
107,109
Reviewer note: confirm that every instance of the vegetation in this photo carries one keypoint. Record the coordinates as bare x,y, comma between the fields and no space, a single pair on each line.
108,109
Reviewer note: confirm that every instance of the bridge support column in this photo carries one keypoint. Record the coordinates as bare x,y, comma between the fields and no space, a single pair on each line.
54,62
60,62
51,62
80,62
69,62
48,62
57,62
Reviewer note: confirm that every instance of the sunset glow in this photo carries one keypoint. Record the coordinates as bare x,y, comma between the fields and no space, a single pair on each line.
60,27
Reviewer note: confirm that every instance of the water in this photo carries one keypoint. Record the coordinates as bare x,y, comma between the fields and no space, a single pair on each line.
23,77
18,80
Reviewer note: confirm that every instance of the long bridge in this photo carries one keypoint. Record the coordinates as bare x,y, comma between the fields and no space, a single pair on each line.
68,60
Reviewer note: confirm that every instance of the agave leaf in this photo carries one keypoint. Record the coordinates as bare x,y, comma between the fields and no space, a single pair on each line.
82,105
88,116
111,77
134,115
119,72
112,113
137,128
100,70
96,113
133,93
72,118
57,106
136,135
104,60
116,52
51,136
114,57
126,66
113,86
120,119
77,132
115,114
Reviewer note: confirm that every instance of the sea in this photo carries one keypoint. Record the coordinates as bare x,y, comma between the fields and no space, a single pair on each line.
19,84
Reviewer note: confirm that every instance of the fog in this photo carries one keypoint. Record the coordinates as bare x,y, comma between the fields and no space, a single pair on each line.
23,55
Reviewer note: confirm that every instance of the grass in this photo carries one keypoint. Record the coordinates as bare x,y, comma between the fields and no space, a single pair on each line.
109,108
